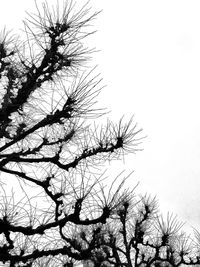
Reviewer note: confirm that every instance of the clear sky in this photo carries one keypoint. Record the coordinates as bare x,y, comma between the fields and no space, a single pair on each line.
150,61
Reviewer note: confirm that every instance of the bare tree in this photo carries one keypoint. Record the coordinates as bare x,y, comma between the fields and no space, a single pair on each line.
138,236
51,152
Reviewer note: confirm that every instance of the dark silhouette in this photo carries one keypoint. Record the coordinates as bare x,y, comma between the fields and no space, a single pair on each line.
138,236
56,208
51,152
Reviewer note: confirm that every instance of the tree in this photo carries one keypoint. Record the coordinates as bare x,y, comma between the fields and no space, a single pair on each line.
138,236
50,150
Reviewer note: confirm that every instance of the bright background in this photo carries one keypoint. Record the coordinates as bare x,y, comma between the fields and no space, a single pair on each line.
150,61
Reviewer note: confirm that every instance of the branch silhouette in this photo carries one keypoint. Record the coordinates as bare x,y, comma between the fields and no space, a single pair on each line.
49,147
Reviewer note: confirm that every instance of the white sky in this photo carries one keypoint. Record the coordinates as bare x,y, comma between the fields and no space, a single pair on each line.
150,61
